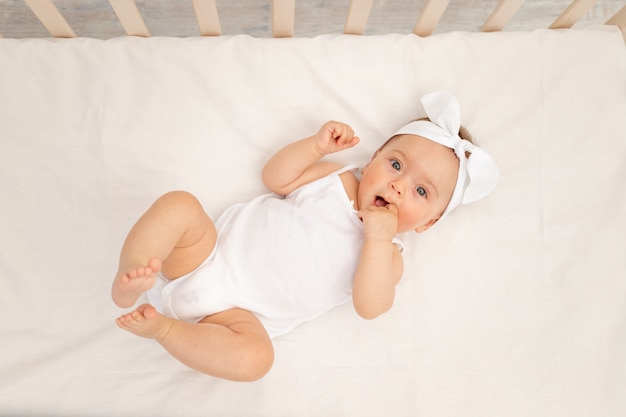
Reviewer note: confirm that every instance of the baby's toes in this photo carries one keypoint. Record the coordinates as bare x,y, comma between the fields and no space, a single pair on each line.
137,316
147,311
155,265
122,322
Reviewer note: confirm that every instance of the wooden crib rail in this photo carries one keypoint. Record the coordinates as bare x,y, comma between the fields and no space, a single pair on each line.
356,19
504,11
130,18
51,18
619,19
207,17
283,17
432,13
571,15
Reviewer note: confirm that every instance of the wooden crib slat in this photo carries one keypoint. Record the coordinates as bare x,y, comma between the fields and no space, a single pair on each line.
358,13
130,18
619,19
571,15
501,15
283,15
51,18
430,16
207,17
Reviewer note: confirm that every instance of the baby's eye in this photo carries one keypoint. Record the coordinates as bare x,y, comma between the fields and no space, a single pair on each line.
421,191
396,165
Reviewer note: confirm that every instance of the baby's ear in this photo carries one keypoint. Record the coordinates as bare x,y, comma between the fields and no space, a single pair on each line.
425,227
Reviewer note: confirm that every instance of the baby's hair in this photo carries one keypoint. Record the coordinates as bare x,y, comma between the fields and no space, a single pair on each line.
463,134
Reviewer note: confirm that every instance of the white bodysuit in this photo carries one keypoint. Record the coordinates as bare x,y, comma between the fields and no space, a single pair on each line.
286,260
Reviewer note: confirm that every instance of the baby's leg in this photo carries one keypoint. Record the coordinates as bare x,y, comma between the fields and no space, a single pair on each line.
232,345
174,236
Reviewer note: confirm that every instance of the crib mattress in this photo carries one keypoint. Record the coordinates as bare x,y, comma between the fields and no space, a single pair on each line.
513,306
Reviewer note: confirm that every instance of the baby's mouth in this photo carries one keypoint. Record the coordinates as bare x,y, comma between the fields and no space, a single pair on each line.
380,202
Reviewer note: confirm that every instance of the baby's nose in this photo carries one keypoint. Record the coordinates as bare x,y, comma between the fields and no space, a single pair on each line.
398,187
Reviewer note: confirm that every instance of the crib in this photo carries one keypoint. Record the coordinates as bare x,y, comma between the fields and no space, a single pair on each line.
513,306
282,16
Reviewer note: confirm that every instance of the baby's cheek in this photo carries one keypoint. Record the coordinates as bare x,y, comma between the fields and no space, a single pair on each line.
408,219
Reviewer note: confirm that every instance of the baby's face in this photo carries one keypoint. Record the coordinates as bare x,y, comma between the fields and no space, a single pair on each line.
415,174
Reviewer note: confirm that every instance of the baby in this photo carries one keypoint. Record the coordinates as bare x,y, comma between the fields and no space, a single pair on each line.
323,237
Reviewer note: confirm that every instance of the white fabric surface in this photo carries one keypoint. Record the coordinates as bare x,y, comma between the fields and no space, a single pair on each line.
514,306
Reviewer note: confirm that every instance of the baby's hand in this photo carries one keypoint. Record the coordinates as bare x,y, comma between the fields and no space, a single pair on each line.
380,223
334,137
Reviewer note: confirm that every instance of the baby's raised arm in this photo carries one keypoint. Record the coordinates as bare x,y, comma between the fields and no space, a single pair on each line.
299,162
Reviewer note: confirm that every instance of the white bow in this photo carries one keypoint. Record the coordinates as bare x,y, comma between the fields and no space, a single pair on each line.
478,173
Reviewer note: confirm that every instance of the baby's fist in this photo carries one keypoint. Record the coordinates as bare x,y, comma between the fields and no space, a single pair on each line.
334,137
379,223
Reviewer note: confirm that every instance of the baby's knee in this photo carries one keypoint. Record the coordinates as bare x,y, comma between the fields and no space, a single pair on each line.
179,197
256,362
180,201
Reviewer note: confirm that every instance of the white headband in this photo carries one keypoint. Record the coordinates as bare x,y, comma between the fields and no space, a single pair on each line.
478,173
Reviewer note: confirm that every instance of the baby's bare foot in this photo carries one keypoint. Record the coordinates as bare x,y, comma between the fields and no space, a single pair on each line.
130,284
145,321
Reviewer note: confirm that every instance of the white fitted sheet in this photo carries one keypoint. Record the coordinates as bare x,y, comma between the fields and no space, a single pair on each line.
514,306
